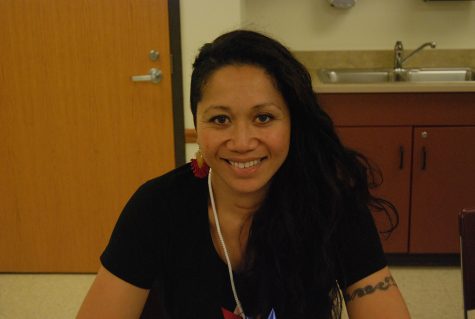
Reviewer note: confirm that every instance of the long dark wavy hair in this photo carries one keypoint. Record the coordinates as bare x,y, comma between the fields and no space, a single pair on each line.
291,257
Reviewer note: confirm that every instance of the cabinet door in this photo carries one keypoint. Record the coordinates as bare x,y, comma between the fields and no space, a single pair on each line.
443,183
390,149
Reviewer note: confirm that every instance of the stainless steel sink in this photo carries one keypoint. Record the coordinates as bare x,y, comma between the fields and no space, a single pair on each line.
392,75
355,75
439,74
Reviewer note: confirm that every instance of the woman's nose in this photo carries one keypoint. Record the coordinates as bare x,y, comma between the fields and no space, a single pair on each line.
242,139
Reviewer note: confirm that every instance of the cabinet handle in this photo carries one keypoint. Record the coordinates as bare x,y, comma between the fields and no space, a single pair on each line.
401,157
424,158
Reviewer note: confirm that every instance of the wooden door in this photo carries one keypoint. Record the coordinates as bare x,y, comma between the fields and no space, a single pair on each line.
443,183
77,135
390,149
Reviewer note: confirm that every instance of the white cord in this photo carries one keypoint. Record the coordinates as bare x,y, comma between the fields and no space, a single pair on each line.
221,239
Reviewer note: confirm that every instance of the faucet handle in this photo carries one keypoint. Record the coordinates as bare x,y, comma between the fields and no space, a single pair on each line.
398,46
398,50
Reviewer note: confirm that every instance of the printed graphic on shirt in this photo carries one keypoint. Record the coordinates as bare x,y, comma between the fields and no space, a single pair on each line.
229,315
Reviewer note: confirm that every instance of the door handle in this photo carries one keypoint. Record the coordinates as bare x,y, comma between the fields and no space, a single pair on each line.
154,75
401,157
424,158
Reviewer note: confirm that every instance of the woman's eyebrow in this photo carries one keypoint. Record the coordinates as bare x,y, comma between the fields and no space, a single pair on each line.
227,109
263,105
216,108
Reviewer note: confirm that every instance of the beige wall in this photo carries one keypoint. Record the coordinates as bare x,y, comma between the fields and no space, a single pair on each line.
369,25
315,25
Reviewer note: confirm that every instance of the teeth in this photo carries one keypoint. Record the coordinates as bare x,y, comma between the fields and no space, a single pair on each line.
245,164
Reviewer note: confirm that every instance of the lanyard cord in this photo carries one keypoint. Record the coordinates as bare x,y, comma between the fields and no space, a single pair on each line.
221,239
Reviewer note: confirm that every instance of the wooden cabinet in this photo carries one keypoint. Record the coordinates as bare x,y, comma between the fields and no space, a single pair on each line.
424,144
389,150
443,182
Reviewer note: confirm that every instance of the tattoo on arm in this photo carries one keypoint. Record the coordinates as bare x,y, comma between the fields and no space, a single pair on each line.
361,292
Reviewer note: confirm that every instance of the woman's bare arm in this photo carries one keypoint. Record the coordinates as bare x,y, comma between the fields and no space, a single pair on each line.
376,296
111,297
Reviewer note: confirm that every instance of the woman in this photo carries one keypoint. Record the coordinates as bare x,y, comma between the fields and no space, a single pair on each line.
275,229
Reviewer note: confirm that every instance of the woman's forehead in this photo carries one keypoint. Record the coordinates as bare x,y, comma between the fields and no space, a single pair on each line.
245,86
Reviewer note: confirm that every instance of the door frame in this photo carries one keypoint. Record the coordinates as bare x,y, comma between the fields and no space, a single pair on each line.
177,80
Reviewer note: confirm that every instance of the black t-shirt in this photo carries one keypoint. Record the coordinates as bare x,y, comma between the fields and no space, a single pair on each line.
162,241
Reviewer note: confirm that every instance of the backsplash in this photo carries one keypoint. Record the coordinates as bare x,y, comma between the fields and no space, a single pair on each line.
385,59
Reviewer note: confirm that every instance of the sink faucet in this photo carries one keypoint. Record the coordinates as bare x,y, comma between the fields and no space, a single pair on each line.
399,57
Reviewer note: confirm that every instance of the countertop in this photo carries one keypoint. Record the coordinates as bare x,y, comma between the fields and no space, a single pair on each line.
395,87
315,60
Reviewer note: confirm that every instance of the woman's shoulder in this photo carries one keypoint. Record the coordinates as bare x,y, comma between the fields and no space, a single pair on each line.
161,201
174,184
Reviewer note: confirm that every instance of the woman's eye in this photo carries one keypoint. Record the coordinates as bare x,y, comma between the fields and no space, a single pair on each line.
264,118
220,119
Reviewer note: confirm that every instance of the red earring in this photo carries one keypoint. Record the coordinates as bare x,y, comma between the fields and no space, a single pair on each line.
199,166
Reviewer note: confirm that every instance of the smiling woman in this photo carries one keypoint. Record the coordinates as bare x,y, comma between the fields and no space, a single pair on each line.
280,224
243,130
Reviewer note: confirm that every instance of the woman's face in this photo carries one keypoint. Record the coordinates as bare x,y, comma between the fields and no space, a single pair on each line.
243,128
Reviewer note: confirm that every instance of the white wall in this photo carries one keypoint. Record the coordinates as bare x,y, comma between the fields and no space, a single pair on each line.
369,25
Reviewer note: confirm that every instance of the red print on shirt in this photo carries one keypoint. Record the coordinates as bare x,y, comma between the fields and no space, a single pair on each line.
229,315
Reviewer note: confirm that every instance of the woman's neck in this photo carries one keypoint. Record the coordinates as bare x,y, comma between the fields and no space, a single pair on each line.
234,205
235,212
